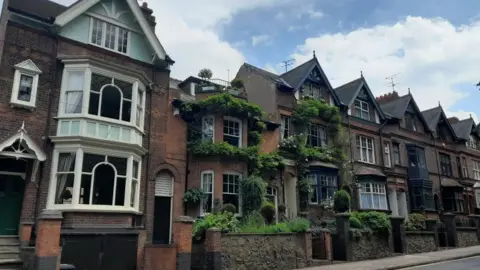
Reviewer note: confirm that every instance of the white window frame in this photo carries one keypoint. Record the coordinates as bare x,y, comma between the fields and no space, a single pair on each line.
204,135
322,134
80,150
359,108
464,167
388,160
380,190
476,169
25,68
239,194
90,69
272,192
472,142
285,127
240,128
117,29
312,90
360,146
212,173
477,197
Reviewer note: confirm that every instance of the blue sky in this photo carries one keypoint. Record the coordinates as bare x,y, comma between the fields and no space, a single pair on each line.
431,44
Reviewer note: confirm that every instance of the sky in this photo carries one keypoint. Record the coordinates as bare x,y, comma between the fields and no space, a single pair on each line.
429,46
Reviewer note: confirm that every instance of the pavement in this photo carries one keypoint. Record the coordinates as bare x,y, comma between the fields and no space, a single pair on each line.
462,264
408,261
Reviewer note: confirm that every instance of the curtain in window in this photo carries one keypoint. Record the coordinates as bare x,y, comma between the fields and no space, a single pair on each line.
366,201
74,102
64,164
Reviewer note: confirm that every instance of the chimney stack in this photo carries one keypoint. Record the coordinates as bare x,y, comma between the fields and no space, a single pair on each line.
147,13
387,97
453,120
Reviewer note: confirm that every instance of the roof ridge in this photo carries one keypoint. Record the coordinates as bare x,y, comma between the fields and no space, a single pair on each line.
348,83
255,67
431,109
285,73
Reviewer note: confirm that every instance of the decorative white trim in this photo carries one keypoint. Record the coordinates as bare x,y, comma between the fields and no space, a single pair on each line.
25,68
115,147
22,175
213,189
81,7
112,21
22,136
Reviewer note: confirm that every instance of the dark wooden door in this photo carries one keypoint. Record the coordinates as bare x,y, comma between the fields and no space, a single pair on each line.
116,247
162,220
11,198
82,251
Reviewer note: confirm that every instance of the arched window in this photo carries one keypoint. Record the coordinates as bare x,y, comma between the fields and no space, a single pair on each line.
110,98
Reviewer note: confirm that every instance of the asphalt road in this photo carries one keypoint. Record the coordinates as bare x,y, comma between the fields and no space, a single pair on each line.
464,264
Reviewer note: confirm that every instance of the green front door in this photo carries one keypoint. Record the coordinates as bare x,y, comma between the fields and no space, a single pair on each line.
11,198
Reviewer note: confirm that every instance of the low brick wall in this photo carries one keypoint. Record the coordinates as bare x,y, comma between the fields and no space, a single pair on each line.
421,241
265,251
369,246
160,257
467,237
199,256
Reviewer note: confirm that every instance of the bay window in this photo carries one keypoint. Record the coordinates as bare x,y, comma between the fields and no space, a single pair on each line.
373,196
323,187
421,197
96,179
94,93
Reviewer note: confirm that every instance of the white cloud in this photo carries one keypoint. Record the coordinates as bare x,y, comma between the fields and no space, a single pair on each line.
187,30
295,28
432,56
271,68
261,39
315,14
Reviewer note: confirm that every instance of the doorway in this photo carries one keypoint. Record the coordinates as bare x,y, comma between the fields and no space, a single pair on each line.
162,219
11,198
291,196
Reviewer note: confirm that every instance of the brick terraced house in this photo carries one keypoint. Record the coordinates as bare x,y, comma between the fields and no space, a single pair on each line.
88,131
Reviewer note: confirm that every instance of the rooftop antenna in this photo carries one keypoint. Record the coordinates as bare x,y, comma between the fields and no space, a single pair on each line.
392,82
287,63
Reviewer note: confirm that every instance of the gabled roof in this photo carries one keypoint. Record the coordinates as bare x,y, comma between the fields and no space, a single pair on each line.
266,75
42,9
22,137
397,107
82,6
349,91
463,128
432,117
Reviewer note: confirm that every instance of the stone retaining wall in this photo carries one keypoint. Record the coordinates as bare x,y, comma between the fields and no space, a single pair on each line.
422,241
264,251
370,246
467,237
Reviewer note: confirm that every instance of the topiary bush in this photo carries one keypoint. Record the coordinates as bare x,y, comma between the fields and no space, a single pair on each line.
378,222
415,222
228,207
341,201
268,212
253,192
355,223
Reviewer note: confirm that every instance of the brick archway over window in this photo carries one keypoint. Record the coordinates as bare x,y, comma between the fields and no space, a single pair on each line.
166,167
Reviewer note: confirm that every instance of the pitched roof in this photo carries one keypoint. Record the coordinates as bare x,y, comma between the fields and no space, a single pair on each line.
432,116
349,91
396,107
43,9
296,76
463,128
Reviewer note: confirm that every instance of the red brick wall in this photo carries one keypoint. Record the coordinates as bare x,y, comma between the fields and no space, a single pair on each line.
160,258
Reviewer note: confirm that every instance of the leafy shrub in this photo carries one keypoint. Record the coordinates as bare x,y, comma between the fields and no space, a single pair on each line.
282,208
228,207
378,222
236,83
415,222
217,205
341,201
268,212
254,219
225,221
253,192
355,223
193,196
299,225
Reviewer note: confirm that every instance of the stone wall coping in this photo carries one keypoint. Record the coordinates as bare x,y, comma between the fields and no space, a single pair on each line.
260,234
27,223
185,219
472,229
213,229
420,233
345,215
397,217
50,215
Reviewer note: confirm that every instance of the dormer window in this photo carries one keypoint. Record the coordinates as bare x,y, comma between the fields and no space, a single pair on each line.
410,122
362,110
109,36
312,91
472,142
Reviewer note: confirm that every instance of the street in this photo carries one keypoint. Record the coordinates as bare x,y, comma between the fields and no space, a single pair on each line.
463,264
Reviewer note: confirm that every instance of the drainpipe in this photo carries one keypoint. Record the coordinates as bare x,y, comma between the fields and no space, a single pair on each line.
354,190
382,156
49,120
440,195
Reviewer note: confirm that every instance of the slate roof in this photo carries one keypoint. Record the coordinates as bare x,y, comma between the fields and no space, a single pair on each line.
296,76
368,171
397,107
42,9
432,116
463,128
347,91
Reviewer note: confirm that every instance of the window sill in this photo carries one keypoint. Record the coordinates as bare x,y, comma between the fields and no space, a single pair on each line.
366,162
23,105
94,209
376,210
